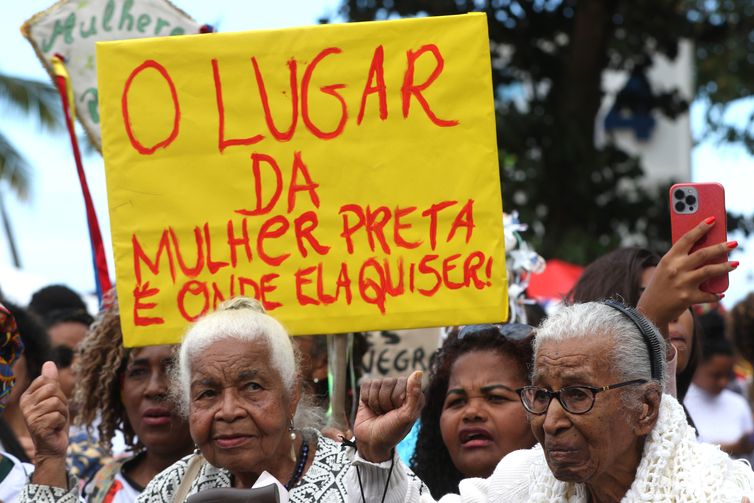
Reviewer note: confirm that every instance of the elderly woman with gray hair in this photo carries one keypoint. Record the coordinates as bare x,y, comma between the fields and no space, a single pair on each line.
606,431
238,383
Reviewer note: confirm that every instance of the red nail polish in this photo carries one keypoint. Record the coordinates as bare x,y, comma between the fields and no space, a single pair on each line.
731,244
720,296
709,220
734,264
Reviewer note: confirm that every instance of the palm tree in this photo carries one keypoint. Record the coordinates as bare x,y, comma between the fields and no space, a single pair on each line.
40,101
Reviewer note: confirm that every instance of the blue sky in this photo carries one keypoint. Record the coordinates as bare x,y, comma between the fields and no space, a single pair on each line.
51,226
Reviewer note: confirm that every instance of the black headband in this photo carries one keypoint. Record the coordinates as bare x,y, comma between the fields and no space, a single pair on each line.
648,332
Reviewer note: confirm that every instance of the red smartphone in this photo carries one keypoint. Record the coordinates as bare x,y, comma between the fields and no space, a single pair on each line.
690,203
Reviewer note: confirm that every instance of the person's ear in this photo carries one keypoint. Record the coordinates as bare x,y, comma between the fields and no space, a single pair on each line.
650,410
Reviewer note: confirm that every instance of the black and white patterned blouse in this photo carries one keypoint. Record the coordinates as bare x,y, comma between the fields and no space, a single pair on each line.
323,482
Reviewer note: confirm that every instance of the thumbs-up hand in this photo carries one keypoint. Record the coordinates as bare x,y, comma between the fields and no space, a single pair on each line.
388,409
45,410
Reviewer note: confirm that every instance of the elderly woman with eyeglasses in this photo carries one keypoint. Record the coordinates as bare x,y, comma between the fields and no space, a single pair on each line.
606,431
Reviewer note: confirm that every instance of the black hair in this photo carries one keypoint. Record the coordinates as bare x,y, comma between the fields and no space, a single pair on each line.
683,380
54,302
67,316
431,460
10,442
535,313
37,349
615,275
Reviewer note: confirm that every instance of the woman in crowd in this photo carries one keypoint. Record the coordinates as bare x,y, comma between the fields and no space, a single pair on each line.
239,386
64,316
606,432
13,432
118,389
625,274
473,417
67,321
739,325
13,472
721,416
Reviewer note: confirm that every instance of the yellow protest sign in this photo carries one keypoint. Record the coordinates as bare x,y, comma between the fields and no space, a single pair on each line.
346,175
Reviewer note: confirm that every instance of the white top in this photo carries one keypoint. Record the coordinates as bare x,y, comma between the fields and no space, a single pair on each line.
14,482
323,482
125,492
721,419
674,468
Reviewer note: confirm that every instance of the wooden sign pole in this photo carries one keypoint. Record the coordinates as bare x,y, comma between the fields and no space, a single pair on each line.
337,359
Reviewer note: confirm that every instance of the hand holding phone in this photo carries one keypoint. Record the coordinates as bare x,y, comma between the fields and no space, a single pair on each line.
675,285
692,203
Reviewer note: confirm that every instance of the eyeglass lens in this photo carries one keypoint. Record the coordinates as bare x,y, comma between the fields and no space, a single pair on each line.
574,399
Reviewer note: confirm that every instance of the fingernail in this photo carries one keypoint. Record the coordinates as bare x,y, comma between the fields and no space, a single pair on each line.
731,244
720,296
709,220
734,264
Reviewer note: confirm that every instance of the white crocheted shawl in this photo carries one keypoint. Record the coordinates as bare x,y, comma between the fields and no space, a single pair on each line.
674,467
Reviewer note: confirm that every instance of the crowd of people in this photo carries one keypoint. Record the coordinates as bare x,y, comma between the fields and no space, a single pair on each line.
632,390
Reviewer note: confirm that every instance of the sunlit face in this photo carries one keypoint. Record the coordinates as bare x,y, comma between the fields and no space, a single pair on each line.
680,331
482,418
584,448
144,393
714,375
239,408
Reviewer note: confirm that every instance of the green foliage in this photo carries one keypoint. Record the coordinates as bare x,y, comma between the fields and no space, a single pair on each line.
37,100
724,35
548,58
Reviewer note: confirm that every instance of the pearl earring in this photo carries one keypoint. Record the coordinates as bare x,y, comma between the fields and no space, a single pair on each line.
293,440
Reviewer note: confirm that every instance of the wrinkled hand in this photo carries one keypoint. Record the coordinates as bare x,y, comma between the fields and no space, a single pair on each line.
388,409
45,410
675,284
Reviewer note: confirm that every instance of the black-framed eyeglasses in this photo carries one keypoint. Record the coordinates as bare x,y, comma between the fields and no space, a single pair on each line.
511,331
574,399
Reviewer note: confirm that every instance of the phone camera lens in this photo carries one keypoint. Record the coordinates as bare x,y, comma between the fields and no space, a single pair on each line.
690,199
678,194
680,206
